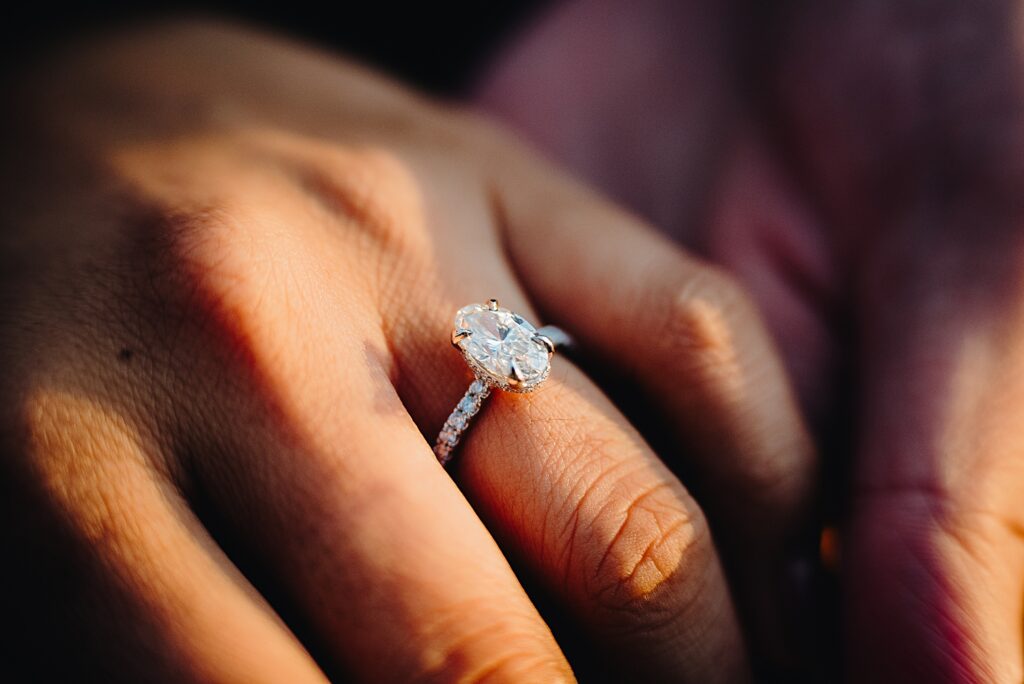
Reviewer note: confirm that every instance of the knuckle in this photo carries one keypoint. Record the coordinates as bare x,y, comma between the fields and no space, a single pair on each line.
229,279
779,478
212,264
471,647
216,294
651,553
710,341
306,207
632,546
699,316
372,190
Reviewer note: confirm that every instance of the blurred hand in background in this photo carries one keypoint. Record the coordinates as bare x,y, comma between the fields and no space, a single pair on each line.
859,165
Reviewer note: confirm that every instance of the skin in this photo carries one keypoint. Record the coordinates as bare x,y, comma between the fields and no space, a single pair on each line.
863,180
229,269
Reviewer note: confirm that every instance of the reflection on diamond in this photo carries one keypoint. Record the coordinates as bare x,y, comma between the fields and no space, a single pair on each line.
503,345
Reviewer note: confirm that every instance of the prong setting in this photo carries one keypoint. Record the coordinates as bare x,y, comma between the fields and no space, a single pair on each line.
547,342
458,335
501,347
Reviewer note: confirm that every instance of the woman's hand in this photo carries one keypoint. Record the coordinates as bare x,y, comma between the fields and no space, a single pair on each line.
230,267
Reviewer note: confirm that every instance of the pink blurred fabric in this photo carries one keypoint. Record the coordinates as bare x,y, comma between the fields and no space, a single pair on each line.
639,98
630,95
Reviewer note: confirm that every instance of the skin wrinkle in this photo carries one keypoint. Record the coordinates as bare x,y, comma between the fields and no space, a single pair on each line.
558,469
568,560
583,446
569,472
664,622
500,671
946,630
601,513
625,580
631,510
720,609
452,659
649,552
698,328
953,634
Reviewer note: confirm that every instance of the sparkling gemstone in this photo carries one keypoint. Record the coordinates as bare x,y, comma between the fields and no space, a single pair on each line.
502,345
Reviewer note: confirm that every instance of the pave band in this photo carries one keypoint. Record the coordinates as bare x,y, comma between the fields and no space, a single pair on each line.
504,352
458,421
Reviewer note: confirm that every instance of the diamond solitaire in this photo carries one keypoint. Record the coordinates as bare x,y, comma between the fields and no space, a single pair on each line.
505,352
501,347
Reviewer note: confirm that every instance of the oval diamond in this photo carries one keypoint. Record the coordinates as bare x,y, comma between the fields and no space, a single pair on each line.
501,346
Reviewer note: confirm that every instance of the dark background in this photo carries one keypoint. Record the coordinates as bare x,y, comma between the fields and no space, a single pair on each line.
436,46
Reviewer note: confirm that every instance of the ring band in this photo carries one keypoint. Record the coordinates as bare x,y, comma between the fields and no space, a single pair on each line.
505,352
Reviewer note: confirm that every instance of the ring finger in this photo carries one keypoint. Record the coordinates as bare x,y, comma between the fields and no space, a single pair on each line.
565,483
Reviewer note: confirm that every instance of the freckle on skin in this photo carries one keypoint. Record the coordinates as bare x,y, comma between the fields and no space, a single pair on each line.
125,355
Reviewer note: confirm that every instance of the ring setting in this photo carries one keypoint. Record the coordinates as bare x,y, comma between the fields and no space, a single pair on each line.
505,352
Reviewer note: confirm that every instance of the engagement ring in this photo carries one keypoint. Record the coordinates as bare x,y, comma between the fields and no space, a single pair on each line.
505,352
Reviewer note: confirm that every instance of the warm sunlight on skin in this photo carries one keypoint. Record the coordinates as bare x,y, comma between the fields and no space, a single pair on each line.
229,270
982,423
98,474
264,279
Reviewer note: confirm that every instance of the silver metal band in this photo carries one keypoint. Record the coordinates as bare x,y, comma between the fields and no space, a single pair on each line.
459,420
560,338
